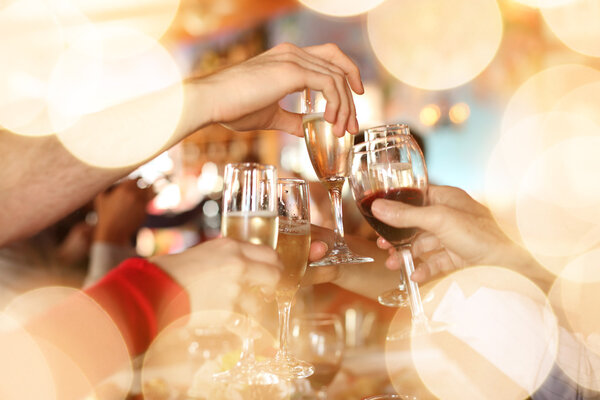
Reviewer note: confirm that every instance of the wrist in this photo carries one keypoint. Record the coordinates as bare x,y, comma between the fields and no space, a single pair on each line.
111,236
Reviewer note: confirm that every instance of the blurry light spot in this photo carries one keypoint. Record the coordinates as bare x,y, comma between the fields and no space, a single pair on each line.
130,111
369,106
541,92
341,8
558,205
459,113
210,208
435,44
544,3
154,169
430,114
168,198
501,341
145,243
576,25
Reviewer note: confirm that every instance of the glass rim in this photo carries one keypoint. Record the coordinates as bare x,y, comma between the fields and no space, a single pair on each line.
291,180
401,128
245,166
394,140
319,318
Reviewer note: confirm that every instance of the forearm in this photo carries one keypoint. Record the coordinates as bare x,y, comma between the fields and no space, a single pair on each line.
41,181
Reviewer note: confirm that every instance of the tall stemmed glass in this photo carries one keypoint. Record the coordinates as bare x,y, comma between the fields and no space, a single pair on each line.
392,168
319,338
293,246
249,214
329,156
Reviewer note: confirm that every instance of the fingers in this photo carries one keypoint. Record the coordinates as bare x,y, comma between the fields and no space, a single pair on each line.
334,55
321,74
433,263
432,218
383,244
288,122
318,250
424,243
259,253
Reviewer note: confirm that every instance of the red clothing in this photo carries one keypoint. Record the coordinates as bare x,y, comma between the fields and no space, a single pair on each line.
142,299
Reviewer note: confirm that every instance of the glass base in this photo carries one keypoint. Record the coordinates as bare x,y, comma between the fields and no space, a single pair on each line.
288,368
340,255
420,327
394,298
247,373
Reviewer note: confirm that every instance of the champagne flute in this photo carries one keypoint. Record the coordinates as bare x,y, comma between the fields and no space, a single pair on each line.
319,338
393,168
293,246
249,214
329,157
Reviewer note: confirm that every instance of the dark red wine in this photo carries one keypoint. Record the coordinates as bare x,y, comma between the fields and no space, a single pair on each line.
393,235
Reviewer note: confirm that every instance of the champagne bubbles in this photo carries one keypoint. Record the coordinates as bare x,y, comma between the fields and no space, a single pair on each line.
341,8
501,340
575,23
435,44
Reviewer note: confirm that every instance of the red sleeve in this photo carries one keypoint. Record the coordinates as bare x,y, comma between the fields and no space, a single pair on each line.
141,299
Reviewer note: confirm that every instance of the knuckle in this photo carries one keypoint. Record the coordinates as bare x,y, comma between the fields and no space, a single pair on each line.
332,47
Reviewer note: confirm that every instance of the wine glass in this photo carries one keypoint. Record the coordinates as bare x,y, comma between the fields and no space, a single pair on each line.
319,338
293,246
329,156
249,214
393,168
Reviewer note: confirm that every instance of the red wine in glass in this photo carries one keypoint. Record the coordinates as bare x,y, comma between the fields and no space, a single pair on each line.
395,236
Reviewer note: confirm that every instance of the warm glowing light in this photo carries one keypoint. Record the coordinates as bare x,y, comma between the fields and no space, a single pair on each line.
459,113
435,44
116,112
149,17
541,92
23,367
501,340
544,3
575,293
576,25
145,243
430,114
31,44
369,106
341,8
558,205
208,342
78,338
168,198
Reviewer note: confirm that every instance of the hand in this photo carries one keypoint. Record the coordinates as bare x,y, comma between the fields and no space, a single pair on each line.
458,232
222,273
121,211
246,95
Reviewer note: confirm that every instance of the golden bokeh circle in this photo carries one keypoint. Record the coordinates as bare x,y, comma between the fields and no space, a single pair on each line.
435,44
501,340
119,111
341,8
576,25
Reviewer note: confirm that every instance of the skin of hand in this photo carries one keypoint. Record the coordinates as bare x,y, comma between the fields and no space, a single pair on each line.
262,81
76,246
121,211
244,97
368,279
457,232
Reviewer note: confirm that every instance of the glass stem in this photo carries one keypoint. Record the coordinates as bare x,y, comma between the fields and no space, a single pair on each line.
335,194
414,296
247,354
284,307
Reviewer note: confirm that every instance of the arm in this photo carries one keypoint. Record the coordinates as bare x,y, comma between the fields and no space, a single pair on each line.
40,178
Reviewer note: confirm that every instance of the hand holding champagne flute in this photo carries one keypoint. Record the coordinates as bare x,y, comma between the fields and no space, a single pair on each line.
249,214
329,156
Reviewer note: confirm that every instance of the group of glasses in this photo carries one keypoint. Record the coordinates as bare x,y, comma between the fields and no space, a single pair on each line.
262,209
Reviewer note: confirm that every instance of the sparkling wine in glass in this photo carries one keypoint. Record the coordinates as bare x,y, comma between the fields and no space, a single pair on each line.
250,215
393,168
293,246
329,156
319,339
